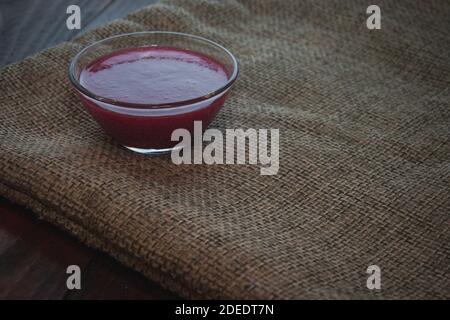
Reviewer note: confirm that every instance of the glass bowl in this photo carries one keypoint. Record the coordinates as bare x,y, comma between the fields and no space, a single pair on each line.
147,127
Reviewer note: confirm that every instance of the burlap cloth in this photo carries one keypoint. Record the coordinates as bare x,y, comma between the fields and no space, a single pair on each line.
364,174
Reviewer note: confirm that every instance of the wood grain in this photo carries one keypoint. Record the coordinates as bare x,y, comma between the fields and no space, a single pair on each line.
33,254
28,26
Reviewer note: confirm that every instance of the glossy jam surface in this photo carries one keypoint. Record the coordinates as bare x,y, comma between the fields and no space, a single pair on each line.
152,75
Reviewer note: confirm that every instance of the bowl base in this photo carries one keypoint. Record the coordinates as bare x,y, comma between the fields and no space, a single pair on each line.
152,152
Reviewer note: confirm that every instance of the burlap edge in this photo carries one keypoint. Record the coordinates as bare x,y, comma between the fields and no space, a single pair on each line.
94,241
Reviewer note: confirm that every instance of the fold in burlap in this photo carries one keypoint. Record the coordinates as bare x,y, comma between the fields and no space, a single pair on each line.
364,174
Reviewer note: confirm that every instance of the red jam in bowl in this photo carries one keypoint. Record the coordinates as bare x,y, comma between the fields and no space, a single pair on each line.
145,82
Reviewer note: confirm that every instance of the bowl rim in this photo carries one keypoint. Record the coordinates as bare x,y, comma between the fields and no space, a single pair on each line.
75,82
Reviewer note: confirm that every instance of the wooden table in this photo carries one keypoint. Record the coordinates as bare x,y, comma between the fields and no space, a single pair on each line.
33,254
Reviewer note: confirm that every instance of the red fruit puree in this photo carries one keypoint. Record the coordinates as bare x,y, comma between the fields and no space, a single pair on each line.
152,75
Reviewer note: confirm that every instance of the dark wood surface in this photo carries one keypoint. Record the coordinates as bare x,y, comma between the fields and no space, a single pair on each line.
33,254
28,26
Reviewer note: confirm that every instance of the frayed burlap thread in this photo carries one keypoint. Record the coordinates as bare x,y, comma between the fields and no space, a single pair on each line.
364,176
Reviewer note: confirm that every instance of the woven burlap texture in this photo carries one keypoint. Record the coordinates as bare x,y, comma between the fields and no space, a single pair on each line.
364,175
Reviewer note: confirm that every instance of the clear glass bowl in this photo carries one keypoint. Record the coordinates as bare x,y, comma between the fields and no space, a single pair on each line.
147,128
